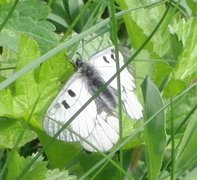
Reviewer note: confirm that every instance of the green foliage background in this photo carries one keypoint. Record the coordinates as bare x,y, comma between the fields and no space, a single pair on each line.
38,39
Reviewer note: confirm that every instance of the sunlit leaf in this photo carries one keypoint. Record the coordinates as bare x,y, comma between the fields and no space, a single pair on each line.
154,131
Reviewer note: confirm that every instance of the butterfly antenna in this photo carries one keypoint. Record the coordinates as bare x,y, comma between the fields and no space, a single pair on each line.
78,54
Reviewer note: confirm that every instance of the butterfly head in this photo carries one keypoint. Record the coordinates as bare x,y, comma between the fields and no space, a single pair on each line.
79,63
84,68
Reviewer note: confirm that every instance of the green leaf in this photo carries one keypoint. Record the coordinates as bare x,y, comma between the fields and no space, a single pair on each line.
184,71
187,64
37,171
25,91
181,109
173,87
8,40
75,7
18,101
28,18
141,22
9,132
187,154
35,83
60,14
154,131
60,154
161,73
109,171
177,46
192,5
190,175
59,175
6,103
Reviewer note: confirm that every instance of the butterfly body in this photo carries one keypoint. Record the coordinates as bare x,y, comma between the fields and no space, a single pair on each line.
98,123
106,101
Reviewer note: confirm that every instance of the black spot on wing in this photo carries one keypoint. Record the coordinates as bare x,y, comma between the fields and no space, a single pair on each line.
71,93
65,104
113,50
105,59
112,56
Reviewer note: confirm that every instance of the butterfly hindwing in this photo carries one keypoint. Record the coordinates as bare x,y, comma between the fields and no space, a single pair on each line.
100,130
105,134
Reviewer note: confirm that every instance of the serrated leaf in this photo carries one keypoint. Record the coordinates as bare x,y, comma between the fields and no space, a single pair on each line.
18,101
154,131
184,71
26,90
187,64
9,132
141,22
59,175
6,103
35,83
7,62
18,163
29,18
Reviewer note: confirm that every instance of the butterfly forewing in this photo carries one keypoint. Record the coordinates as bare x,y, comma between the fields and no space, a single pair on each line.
105,63
70,99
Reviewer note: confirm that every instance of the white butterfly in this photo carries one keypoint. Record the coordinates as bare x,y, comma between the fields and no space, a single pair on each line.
98,123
